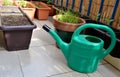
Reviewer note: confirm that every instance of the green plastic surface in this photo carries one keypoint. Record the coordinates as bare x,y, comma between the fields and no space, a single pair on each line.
84,52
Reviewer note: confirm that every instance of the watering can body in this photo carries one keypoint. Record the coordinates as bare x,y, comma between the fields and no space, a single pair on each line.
84,52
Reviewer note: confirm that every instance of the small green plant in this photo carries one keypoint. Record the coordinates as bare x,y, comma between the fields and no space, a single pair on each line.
23,3
108,20
7,3
50,1
118,27
68,17
38,5
105,19
98,15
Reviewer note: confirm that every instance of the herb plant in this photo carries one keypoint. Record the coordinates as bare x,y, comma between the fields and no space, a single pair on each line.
23,3
50,1
118,28
38,5
68,17
7,3
108,20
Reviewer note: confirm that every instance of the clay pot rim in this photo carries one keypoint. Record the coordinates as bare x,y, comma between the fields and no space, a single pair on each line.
69,27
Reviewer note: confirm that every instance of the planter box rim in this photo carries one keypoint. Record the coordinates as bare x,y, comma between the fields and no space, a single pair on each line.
31,25
17,4
44,6
11,28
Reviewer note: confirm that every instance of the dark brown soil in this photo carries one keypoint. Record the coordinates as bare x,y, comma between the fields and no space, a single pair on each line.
14,20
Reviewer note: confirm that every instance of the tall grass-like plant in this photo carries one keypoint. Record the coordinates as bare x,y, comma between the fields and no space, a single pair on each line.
118,27
68,17
50,1
105,19
23,3
7,3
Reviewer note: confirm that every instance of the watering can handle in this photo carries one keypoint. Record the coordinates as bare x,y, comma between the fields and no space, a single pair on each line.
106,28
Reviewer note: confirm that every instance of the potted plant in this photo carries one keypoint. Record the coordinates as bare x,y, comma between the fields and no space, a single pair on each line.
50,4
7,3
81,15
27,7
65,24
42,10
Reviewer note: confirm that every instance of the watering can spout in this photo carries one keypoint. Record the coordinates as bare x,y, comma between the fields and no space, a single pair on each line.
63,46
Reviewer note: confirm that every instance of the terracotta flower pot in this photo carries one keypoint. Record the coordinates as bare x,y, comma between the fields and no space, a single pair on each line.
65,30
42,12
69,27
52,10
1,2
29,9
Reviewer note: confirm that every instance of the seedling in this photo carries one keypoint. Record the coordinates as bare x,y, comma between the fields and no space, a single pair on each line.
118,27
98,15
7,3
68,17
108,20
23,3
50,1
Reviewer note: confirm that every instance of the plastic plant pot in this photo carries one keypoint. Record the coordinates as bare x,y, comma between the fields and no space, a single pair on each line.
17,32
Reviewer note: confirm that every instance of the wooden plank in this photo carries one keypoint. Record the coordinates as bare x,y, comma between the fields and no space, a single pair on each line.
95,9
108,7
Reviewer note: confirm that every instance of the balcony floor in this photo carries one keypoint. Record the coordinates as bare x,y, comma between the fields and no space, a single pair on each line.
43,59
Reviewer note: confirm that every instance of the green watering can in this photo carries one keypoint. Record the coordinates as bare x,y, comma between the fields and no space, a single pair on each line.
84,52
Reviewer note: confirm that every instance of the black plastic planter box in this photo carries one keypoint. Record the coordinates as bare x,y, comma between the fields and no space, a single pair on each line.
17,28
107,39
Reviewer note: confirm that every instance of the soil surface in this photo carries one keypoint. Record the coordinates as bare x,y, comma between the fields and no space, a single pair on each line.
10,10
12,16
14,20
